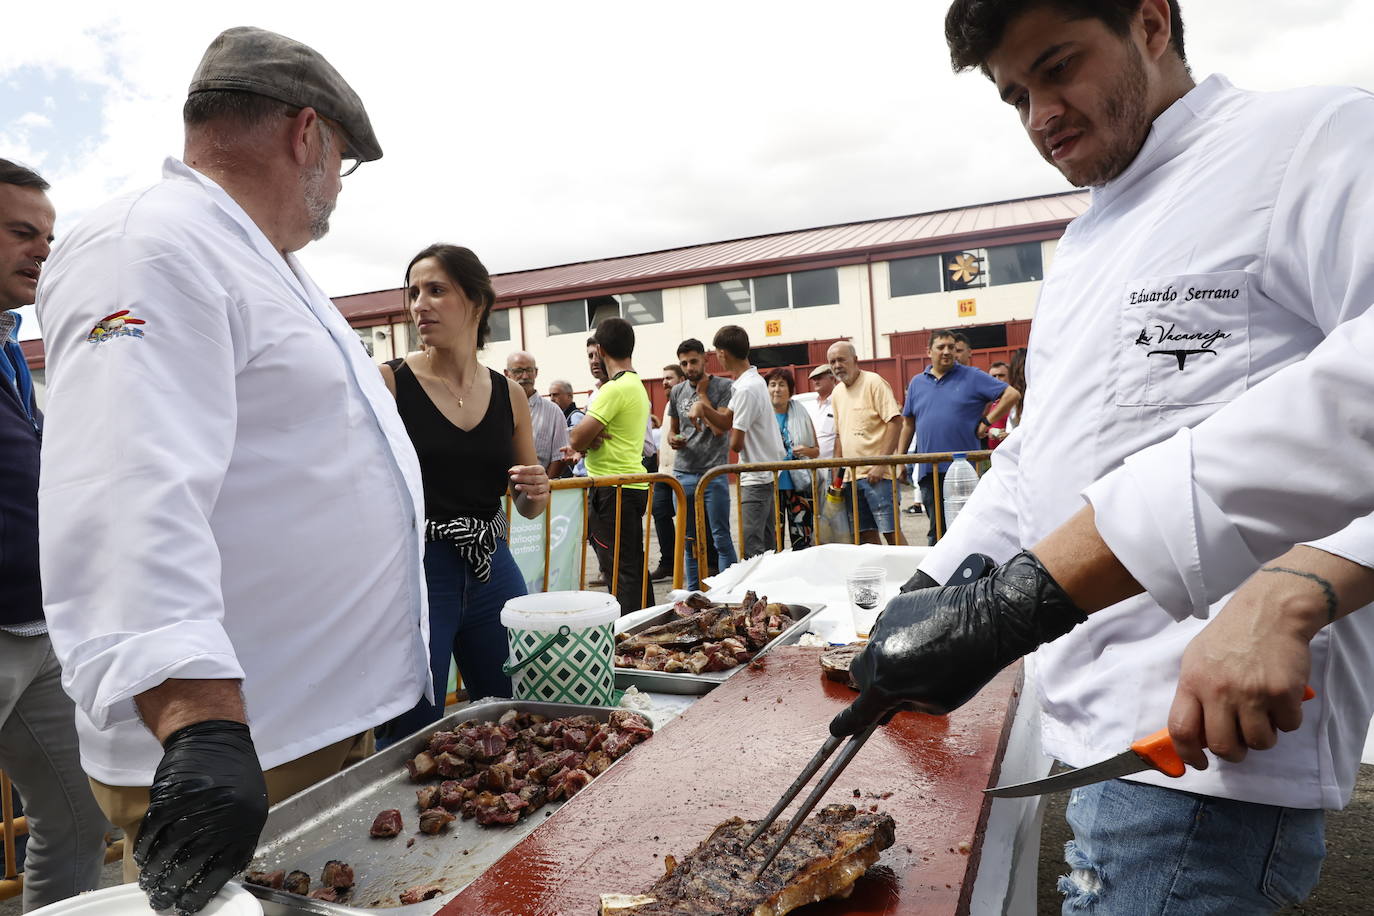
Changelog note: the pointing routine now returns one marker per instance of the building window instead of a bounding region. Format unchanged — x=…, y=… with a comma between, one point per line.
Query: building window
x=643, y=307
x=567, y=317
x=498, y=322
x=577, y=316
x=969, y=269
x=803, y=289
x=811, y=288
x=728, y=298
x=1015, y=264
x=914, y=276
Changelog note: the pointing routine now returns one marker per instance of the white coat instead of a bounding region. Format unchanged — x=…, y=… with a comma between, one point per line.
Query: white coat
x=227, y=490
x=1287, y=461
x=1232, y=245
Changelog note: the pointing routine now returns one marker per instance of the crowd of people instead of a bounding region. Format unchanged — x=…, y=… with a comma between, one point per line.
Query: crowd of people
x=217, y=609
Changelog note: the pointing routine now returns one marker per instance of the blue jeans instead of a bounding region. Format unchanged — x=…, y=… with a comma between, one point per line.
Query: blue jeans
x=876, y=509
x=464, y=624
x=1141, y=849
x=717, y=522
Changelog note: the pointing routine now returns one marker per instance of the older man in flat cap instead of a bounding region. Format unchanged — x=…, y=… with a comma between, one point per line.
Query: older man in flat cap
x=229, y=501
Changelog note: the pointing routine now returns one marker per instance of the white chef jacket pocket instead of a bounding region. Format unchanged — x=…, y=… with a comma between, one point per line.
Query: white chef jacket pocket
x=1184, y=339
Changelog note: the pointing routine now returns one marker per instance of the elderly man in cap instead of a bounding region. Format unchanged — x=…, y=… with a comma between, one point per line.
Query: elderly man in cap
x=228, y=501
x=823, y=411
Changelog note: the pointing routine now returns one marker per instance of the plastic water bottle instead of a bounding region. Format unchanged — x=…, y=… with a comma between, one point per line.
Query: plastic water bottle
x=958, y=482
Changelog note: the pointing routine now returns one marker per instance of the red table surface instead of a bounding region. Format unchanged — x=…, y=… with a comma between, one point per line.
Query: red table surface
x=733, y=753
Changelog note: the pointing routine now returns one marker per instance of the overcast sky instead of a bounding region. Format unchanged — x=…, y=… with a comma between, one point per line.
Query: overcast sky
x=539, y=133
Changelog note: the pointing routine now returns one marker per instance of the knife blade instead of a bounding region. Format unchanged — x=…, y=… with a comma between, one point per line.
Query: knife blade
x=1153, y=752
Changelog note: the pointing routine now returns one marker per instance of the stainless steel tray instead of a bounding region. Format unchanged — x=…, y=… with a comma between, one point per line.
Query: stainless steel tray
x=331, y=820
x=697, y=684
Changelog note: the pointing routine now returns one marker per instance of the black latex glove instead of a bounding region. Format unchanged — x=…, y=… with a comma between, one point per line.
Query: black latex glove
x=206, y=808
x=918, y=581
x=933, y=649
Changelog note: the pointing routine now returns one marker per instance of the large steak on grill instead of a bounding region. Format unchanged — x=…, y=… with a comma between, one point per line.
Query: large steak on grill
x=823, y=859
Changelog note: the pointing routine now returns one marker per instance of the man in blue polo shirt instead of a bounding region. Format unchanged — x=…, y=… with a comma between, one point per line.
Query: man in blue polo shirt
x=944, y=409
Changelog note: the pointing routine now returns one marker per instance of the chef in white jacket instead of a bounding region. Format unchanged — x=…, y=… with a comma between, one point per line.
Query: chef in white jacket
x=229, y=502
x=1228, y=235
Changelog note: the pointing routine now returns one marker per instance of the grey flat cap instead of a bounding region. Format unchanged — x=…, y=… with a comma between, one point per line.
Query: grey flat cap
x=822, y=369
x=249, y=59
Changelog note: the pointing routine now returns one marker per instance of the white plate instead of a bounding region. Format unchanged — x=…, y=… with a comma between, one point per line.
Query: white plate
x=128, y=900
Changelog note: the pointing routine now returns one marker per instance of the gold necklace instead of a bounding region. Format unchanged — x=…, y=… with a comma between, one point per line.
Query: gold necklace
x=429, y=358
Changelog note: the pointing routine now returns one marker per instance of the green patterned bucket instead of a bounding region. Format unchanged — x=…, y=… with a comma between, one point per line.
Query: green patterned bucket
x=562, y=647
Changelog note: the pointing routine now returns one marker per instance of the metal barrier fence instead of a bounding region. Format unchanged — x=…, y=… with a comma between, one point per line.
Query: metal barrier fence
x=618, y=482
x=817, y=464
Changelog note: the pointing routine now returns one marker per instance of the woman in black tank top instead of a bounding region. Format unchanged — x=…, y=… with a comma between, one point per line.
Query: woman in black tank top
x=473, y=436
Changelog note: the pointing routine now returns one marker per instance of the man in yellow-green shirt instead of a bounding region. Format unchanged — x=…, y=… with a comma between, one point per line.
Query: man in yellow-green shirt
x=612, y=436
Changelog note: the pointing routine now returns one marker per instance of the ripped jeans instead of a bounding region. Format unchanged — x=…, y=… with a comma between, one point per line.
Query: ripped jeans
x=1141, y=850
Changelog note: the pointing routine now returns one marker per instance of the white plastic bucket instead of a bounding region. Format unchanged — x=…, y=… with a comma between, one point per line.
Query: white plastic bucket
x=562, y=647
x=128, y=900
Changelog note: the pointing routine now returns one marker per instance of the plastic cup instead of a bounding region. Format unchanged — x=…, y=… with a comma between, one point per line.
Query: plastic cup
x=867, y=588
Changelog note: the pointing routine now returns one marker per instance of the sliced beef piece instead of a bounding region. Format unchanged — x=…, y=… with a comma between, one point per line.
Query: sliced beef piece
x=434, y=820
x=272, y=879
x=439, y=742
x=297, y=882
x=835, y=662
x=327, y=894
x=823, y=859
x=428, y=797
x=534, y=796
x=388, y=823
x=423, y=892
x=422, y=767
x=597, y=762
x=450, y=795
x=452, y=765
x=338, y=875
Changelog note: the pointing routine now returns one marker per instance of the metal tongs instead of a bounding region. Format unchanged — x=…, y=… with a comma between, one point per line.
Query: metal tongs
x=974, y=567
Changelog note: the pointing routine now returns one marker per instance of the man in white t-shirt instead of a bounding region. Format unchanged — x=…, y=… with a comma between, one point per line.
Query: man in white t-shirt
x=753, y=433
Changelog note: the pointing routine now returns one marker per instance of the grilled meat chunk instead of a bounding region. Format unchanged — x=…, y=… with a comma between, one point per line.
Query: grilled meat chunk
x=272, y=879
x=716, y=638
x=387, y=823
x=423, y=892
x=427, y=797
x=823, y=859
x=434, y=819
x=298, y=882
x=338, y=875
x=422, y=767
x=327, y=894
x=512, y=767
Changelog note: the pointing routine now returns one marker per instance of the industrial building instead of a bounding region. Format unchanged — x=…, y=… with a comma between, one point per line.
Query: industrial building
x=884, y=284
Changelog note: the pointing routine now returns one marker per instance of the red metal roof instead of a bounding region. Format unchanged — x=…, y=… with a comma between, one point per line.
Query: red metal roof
x=847, y=242
x=33, y=351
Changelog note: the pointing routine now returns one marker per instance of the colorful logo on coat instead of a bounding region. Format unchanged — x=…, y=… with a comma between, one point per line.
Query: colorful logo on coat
x=120, y=324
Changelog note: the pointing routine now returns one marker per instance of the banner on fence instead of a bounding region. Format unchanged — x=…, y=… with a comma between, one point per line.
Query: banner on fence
x=566, y=536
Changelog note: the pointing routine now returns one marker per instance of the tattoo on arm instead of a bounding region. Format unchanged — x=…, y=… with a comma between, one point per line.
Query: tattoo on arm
x=1331, y=602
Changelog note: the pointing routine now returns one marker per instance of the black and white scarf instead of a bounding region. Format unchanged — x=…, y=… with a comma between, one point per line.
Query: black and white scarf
x=474, y=539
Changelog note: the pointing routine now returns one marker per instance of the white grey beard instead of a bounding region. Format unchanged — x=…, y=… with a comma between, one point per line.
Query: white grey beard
x=316, y=204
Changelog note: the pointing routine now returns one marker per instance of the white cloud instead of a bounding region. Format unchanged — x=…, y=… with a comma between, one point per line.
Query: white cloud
x=543, y=132
x=30, y=119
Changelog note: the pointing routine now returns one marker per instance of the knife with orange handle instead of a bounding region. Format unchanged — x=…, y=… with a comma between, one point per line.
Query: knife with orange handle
x=1153, y=752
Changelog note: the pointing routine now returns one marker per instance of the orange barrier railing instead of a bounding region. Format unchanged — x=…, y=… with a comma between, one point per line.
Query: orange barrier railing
x=821, y=464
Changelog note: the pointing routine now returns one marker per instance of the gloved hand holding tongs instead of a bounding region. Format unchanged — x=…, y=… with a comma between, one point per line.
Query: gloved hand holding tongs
x=933, y=648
